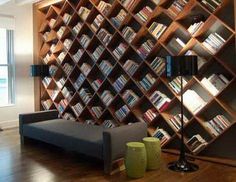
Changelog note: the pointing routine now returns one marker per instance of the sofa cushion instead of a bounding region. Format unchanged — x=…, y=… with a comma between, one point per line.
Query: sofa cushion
x=71, y=135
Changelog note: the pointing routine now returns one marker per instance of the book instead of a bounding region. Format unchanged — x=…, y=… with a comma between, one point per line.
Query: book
x=120, y=83
x=145, y=48
x=196, y=143
x=162, y=135
x=150, y=115
x=83, y=12
x=128, y=4
x=130, y=97
x=157, y=29
x=128, y=33
x=144, y=14
x=104, y=7
x=147, y=81
x=107, y=97
x=158, y=65
x=119, y=50
x=130, y=66
x=176, y=7
x=119, y=18
x=122, y=112
x=159, y=100
x=97, y=22
x=106, y=67
x=104, y=36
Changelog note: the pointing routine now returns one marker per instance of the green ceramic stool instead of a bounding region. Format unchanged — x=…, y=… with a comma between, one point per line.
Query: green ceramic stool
x=153, y=149
x=135, y=159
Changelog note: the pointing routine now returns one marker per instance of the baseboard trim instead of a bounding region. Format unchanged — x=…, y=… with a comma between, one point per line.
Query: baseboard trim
x=9, y=124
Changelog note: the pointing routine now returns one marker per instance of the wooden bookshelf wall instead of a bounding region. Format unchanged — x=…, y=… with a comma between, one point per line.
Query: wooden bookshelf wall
x=223, y=61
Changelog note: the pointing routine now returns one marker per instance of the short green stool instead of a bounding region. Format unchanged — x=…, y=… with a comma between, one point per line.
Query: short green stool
x=135, y=159
x=153, y=149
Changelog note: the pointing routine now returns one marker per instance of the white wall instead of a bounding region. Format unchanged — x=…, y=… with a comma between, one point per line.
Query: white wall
x=23, y=59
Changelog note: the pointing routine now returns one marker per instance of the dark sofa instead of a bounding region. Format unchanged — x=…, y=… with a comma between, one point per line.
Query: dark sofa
x=92, y=140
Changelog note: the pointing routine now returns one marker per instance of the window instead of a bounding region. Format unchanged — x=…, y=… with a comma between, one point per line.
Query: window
x=7, y=96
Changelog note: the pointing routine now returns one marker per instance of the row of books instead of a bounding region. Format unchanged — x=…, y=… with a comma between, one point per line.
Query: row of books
x=106, y=67
x=119, y=83
x=147, y=81
x=48, y=58
x=175, y=84
x=52, y=22
x=218, y=124
x=128, y=33
x=97, y=22
x=122, y=112
x=47, y=104
x=212, y=5
x=176, y=45
x=109, y=124
x=158, y=65
x=66, y=18
x=62, y=105
x=215, y=83
x=85, y=68
x=96, y=84
x=67, y=43
x=162, y=135
x=67, y=68
x=85, y=95
x=150, y=115
x=196, y=143
x=175, y=121
x=104, y=36
x=192, y=29
x=157, y=29
x=61, y=57
x=160, y=100
x=53, y=94
x=53, y=69
x=79, y=81
x=77, y=28
x=177, y=6
x=144, y=14
x=130, y=97
x=46, y=81
x=69, y=116
x=77, y=109
x=46, y=35
x=67, y=93
x=119, y=18
x=61, y=82
x=107, y=97
x=97, y=52
x=130, y=66
x=84, y=40
x=83, y=12
x=97, y=111
x=214, y=42
x=53, y=47
x=145, y=48
x=104, y=7
x=78, y=55
x=120, y=50
x=61, y=31
x=128, y=4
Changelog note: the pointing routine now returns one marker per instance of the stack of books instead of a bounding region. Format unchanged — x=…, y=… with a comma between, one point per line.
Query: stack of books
x=215, y=83
x=196, y=143
x=52, y=22
x=46, y=81
x=47, y=104
x=62, y=105
x=61, y=31
x=61, y=57
x=175, y=121
x=83, y=12
x=144, y=14
x=53, y=94
x=97, y=53
x=66, y=18
x=107, y=97
x=214, y=42
x=147, y=81
x=53, y=69
x=68, y=94
x=157, y=29
x=120, y=50
x=96, y=84
x=145, y=48
x=195, y=27
x=160, y=100
x=85, y=68
x=193, y=101
x=162, y=135
x=47, y=58
x=176, y=45
x=53, y=47
x=104, y=7
x=130, y=66
x=175, y=84
x=150, y=115
x=117, y=21
x=201, y=61
x=77, y=28
x=78, y=55
x=97, y=111
x=158, y=65
x=90, y=122
x=128, y=4
x=106, y=67
x=46, y=35
x=130, y=97
x=177, y=6
x=85, y=95
x=79, y=81
x=128, y=33
x=212, y=5
x=84, y=40
x=67, y=68
x=69, y=116
x=119, y=83
x=97, y=22
x=122, y=112
x=77, y=108
x=104, y=36
x=109, y=124
x=61, y=82
x=218, y=124
x=67, y=43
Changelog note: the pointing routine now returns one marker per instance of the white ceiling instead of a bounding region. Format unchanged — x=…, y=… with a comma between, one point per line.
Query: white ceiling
x=20, y=2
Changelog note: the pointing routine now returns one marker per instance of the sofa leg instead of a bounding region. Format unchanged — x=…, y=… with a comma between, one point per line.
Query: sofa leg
x=23, y=140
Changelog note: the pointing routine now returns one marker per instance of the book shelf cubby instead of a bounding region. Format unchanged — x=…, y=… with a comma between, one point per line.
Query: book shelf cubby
x=107, y=60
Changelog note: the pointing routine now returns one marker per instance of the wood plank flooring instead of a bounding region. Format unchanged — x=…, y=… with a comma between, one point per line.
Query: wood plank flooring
x=37, y=162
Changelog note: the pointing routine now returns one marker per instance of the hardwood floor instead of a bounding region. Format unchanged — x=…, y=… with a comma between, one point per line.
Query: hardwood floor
x=37, y=162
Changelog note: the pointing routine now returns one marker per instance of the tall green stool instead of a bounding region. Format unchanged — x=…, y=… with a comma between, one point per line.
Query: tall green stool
x=135, y=159
x=153, y=149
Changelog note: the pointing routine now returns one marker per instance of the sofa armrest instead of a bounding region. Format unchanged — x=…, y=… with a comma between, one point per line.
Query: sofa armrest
x=36, y=117
x=115, y=139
